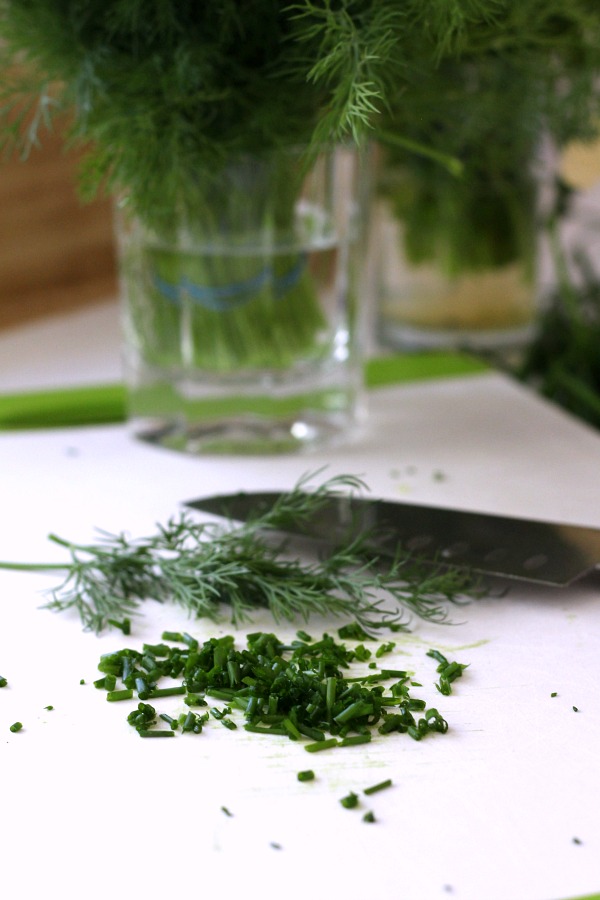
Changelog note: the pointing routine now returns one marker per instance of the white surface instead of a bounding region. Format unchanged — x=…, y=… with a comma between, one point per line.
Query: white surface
x=487, y=812
x=80, y=347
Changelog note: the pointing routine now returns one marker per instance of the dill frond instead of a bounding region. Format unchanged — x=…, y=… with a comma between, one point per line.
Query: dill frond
x=206, y=567
x=160, y=92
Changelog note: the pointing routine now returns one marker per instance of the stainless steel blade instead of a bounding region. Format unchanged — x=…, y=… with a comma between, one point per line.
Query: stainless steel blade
x=545, y=552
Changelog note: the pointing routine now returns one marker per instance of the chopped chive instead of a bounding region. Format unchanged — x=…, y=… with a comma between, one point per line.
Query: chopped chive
x=3, y=681
x=378, y=787
x=353, y=711
x=353, y=632
x=221, y=694
x=306, y=775
x=444, y=686
x=264, y=729
x=293, y=690
x=168, y=691
x=49, y=707
x=575, y=709
x=82, y=681
x=554, y=694
x=169, y=720
x=355, y=739
x=303, y=636
x=189, y=722
x=155, y=733
x=194, y=700
x=368, y=817
x=229, y=723
x=124, y=625
x=321, y=745
x=16, y=726
x=439, y=657
x=350, y=801
x=314, y=734
x=157, y=649
x=125, y=694
x=291, y=729
x=174, y=636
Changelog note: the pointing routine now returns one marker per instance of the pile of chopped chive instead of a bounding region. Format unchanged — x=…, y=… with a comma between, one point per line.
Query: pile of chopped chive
x=301, y=690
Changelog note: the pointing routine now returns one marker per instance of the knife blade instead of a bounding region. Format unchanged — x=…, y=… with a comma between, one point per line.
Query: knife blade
x=550, y=553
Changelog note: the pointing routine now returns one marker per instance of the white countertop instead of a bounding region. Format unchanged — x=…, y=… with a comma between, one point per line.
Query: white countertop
x=503, y=807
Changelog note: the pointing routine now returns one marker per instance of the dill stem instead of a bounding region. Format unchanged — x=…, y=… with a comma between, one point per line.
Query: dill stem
x=34, y=567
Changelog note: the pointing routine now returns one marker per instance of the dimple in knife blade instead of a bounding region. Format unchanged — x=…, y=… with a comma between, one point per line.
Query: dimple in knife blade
x=549, y=553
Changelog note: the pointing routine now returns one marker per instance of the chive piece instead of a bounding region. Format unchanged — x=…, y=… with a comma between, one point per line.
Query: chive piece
x=49, y=707
x=82, y=681
x=189, y=722
x=167, y=692
x=306, y=775
x=263, y=729
x=169, y=720
x=175, y=636
x=155, y=733
x=226, y=811
x=384, y=648
x=16, y=726
x=439, y=657
x=355, y=739
x=444, y=686
x=353, y=632
x=124, y=625
x=350, y=801
x=369, y=817
x=291, y=729
x=554, y=694
x=3, y=681
x=125, y=694
x=378, y=787
x=229, y=723
x=575, y=709
x=354, y=711
x=221, y=694
x=303, y=636
x=194, y=700
x=321, y=745
x=314, y=733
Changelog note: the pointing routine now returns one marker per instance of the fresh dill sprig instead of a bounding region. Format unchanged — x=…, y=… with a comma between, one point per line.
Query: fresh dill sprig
x=203, y=566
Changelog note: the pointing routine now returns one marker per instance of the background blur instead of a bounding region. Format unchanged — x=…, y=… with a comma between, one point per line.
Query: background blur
x=55, y=252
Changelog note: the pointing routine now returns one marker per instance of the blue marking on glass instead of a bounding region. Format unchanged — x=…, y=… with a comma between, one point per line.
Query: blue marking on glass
x=291, y=277
x=220, y=298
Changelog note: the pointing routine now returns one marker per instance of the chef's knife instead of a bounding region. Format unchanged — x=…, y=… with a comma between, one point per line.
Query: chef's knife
x=545, y=552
